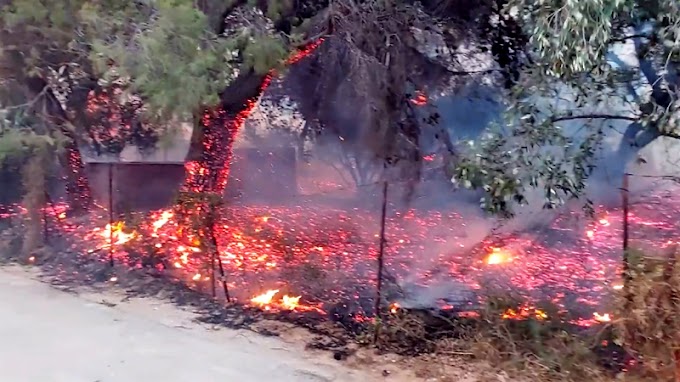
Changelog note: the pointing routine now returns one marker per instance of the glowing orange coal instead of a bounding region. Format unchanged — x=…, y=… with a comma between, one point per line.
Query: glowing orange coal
x=524, y=312
x=606, y=317
x=419, y=99
x=394, y=308
x=117, y=233
x=498, y=256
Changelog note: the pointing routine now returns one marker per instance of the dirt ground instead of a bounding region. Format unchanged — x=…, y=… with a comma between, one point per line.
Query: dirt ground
x=51, y=335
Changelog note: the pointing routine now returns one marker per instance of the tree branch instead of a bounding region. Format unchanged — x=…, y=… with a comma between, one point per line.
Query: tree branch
x=660, y=96
x=629, y=37
x=631, y=89
x=595, y=116
x=30, y=103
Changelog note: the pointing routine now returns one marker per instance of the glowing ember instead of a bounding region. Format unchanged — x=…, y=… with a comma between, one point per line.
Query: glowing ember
x=394, y=308
x=420, y=99
x=498, y=256
x=162, y=220
x=602, y=317
x=118, y=235
x=523, y=313
x=324, y=254
x=219, y=129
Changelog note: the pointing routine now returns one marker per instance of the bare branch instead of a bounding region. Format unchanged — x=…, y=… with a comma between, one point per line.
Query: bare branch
x=596, y=116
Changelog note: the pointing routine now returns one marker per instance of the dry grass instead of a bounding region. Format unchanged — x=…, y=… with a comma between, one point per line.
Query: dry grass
x=649, y=323
x=534, y=348
x=542, y=348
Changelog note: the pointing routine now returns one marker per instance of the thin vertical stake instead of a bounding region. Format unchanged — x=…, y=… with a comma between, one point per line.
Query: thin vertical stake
x=213, y=240
x=111, y=213
x=46, y=236
x=381, y=257
x=626, y=254
x=212, y=277
x=624, y=200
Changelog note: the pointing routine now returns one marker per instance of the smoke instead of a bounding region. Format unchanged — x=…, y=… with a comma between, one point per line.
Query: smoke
x=325, y=195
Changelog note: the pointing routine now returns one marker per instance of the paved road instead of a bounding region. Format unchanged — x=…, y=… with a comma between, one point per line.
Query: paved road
x=51, y=336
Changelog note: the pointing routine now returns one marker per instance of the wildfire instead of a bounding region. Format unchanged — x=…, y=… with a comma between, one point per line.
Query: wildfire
x=293, y=246
x=266, y=301
x=394, y=308
x=523, y=313
x=419, y=99
x=116, y=233
x=606, y=317
x=251, y=244
x=498, y=256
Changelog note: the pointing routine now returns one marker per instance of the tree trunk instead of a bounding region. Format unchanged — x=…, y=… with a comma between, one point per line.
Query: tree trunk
x=212, y=139
x=613, y=168
x=77, y=186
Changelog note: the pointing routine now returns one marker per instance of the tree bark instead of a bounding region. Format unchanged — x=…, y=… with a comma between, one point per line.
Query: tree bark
x=77, y=186
x=215, y=132
x=612, y=171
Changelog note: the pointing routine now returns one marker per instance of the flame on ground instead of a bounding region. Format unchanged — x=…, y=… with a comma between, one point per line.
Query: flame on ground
x=498, y=256
x=267, y=302
x=116, y=235
x=274, y=245
x=523, y=313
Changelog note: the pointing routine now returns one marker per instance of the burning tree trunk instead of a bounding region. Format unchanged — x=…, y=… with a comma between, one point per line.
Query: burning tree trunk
x=211, y=143
x=212, y=140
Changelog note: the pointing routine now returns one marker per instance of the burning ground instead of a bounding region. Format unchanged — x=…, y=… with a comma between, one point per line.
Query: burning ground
x=321, y=260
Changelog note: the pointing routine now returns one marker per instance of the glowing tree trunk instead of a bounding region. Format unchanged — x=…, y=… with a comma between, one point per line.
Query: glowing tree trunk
x=211, y=150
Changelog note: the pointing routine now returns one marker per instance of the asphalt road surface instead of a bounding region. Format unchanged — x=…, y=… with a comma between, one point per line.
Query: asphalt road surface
x=47, y=335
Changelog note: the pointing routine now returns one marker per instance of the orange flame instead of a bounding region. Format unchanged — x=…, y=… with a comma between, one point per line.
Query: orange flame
x=523, y=313
x=290, y=302
x=420, y=99
x=498, y=256
x=116, y=232
x=394, y=308
x=266, y=301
